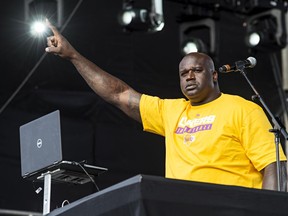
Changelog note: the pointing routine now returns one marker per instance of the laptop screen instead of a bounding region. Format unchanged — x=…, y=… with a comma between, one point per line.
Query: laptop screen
x=40, y=143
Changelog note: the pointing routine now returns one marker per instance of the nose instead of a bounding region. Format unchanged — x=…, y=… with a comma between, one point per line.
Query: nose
x=191, y=75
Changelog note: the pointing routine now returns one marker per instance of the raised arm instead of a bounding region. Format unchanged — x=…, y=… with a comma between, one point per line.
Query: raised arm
x=110, y=88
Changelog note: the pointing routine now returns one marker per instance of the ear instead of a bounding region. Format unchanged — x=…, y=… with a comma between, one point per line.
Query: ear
x=215, y=76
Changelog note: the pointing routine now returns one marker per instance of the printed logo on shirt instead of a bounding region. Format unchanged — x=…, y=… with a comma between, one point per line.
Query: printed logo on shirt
x=188, y=139
x=188, y=127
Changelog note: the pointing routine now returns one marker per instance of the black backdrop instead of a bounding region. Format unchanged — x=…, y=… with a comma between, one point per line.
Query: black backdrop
x=92, y=129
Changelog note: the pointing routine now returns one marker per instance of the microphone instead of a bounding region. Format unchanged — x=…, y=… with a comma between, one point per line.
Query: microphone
x=250, y=62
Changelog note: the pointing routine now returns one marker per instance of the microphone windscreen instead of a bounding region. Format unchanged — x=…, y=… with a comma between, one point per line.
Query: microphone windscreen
x=253, y=61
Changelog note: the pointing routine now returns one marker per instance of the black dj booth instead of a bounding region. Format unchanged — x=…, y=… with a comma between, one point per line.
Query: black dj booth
x=144, y=195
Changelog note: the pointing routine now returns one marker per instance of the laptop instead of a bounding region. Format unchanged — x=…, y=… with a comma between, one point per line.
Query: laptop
x=41, y=153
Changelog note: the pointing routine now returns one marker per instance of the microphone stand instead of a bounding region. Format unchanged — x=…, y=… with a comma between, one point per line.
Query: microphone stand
x=278, y=126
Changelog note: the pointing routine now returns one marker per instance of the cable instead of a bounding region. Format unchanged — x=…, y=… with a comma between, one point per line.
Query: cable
x=65, y=202
x=92, y=180
x=39, y=61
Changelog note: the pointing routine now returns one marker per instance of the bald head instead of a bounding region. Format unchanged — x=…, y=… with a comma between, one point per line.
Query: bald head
x=204, y=58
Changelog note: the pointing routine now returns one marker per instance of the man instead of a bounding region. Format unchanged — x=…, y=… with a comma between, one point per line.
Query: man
x=211, y=137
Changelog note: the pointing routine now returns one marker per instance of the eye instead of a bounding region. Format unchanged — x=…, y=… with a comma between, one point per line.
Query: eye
x=183, y=74
x=197, y=70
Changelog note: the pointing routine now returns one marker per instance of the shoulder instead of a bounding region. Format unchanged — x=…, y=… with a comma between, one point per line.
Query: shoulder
x=156, y=103
x=148, y=98
x=238, y=101
x=241, y=108
x=237, y=104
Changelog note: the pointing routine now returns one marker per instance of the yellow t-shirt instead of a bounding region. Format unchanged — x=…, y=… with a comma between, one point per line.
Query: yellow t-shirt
x=226, y=141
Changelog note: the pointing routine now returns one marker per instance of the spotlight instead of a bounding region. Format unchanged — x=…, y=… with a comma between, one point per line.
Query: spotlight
x=36, y=11
x=38, y=28
x=266, y=31
x=193, y=45
x=198, y=36
x=253, y=39
x=141, y=19
x=129, y=16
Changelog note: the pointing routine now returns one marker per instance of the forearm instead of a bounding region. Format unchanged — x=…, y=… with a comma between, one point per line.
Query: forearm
x=108, y=87
x=104, y=84
x=270, y=177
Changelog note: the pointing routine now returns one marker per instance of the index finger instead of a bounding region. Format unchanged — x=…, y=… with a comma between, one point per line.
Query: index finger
x=52, y=27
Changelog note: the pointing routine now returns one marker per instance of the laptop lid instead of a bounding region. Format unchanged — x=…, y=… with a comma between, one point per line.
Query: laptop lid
x=40, y=144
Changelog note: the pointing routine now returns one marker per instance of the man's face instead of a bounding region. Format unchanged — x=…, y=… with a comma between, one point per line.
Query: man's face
x=197, y=78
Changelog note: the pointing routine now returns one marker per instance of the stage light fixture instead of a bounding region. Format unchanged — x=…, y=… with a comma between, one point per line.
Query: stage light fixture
x=36, y=11
x=193, y=45
x=198, y=36
x=266, y=31
x=253, y=39
x=142, y=19
x=135, y=19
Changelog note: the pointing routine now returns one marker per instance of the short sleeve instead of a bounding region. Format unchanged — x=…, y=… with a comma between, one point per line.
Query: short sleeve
x=258, y=141
x=151, y=111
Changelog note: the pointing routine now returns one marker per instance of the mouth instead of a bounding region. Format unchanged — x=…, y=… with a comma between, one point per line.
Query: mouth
x=191, y=87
